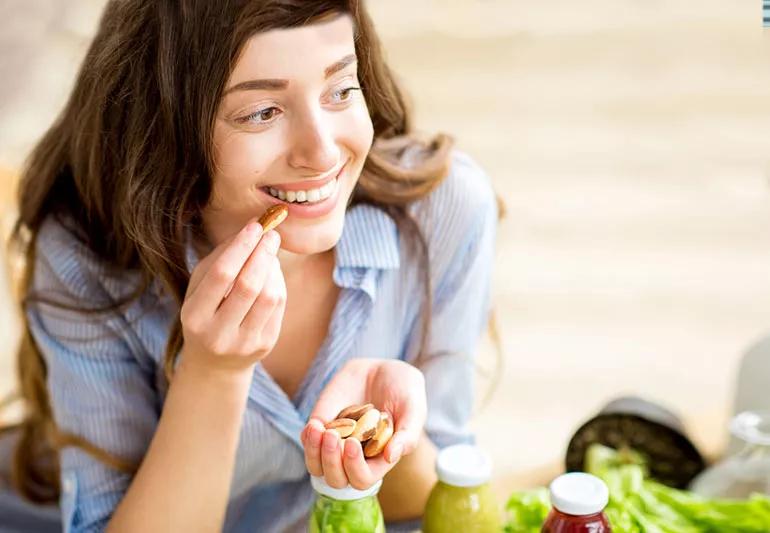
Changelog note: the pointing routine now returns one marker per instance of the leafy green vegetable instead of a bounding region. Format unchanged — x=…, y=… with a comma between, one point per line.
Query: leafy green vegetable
x=641, y=505
x=527, y=511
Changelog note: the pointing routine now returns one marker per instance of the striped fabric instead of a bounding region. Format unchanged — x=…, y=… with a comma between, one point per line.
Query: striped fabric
x=766, y=13
x=105, y=374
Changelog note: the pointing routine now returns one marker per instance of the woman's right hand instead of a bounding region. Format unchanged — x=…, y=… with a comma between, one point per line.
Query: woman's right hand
x=233, y=309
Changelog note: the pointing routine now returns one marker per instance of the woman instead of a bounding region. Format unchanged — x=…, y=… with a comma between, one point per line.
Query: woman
x=178, y=364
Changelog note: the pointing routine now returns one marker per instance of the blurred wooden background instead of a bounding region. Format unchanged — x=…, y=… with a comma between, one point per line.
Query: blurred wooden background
x=631, y=142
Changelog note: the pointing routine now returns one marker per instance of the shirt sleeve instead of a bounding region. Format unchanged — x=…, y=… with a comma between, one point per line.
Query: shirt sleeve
x=98, y=389
x=462, y=253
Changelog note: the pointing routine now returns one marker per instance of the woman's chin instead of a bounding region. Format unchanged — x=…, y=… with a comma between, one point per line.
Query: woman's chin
x=309, y=242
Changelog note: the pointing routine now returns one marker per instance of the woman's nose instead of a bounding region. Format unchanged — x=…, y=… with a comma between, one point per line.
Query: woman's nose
x=314, y=148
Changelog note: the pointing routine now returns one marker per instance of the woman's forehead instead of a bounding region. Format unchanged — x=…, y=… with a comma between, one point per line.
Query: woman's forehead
x=301, y=53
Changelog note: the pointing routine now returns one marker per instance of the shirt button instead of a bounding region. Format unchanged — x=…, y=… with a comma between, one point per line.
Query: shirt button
x=68, y=485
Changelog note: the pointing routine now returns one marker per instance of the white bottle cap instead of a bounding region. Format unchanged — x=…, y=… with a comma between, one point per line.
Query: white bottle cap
x=346, y=494
x=579, y=494
x=463, y=465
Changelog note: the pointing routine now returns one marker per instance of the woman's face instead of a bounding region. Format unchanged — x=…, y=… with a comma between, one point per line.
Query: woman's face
x=292, y=122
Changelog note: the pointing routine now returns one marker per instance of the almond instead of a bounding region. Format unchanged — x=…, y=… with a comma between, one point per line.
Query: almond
x=343, y=426
x=273, y=216
x=382, y=436
x=355, y=411
x=366, y=426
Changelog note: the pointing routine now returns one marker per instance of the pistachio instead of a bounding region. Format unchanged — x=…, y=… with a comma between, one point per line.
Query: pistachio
x=343, y=426
x=366, y=426
x=381, y=437
x=355, y=412
x=273, y=216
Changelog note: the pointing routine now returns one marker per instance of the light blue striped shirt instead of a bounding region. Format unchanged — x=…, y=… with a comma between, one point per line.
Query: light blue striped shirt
x=105, y=375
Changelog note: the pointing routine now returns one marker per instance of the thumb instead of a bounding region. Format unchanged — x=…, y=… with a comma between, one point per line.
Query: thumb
x=406, y=435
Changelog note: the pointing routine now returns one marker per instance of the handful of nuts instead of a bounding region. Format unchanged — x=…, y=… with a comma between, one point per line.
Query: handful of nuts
x=371, y=427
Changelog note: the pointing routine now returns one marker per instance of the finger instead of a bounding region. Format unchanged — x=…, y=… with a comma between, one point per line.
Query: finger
x=262, y=342
x=400, y=444
x=313, y=437
x=272, y=298
x=204, y=265
x=379, y=466
x=272, y=329
x=331, y=460
x=408, y=426
x=406, y=433
x=249, y=283
x=357, y=468
x=223, y=271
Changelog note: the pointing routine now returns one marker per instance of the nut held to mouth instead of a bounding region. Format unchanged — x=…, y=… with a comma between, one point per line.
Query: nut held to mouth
x=273, y=216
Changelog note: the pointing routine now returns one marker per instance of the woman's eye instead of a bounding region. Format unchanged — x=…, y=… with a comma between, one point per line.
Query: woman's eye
x=343, y=95
x=262, y=116
x=265, y=116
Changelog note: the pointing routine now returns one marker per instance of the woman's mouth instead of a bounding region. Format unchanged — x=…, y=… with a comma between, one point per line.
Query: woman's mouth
x=306, y=201
x=309, y=196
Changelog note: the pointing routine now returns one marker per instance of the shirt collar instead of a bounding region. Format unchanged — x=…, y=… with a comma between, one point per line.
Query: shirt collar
x=369, y=240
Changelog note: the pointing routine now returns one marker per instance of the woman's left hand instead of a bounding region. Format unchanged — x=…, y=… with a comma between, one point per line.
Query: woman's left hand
x=391, y=385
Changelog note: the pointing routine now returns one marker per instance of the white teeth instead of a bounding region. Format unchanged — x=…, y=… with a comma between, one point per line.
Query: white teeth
x=314, y=195
x=311, y=196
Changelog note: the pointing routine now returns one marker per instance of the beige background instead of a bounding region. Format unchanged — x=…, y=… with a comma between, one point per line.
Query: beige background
x=631, y=143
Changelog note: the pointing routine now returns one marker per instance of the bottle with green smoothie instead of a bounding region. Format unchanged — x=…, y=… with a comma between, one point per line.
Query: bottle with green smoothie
x=462, y=499
x=345, y=510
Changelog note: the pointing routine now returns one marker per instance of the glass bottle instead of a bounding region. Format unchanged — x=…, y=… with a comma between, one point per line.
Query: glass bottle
x=745, y=471
x=462, y=499
x=578, y=501
x=345, y=510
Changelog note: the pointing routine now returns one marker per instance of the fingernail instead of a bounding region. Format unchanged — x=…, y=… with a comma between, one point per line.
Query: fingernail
x=395, y=453
x=330, y=441
x=351, y=450
x=315, y=437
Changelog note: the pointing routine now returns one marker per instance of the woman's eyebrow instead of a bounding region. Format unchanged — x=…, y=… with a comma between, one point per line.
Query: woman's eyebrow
x=279, y=85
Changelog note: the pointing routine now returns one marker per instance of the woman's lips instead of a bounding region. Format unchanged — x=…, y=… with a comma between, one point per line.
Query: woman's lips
x=304, y=185
x=308, y=184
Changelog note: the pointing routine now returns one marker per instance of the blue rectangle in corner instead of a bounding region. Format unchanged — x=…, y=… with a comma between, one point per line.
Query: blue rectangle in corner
x=766, y=13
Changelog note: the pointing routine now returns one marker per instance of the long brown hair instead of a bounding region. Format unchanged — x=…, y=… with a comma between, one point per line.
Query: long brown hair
x=130, y=157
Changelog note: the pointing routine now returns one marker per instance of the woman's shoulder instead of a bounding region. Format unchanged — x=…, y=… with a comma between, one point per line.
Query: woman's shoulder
x=66, y=264
x=463, y=206
x=467, y=187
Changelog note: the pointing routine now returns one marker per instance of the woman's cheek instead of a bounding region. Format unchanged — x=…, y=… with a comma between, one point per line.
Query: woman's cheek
x=238, y=164
x=361, y=124
x=238, y=150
